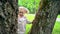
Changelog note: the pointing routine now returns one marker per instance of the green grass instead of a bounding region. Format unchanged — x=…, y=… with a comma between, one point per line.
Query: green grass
x=58, y=16
x=30, y=17
x=56, y=29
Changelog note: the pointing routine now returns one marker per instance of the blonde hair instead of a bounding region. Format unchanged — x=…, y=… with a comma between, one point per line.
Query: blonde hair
x=23, y=8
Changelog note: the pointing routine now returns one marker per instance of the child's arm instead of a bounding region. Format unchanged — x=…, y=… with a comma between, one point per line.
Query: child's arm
x=28, y=22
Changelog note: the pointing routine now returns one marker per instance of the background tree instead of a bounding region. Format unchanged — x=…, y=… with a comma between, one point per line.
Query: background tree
x=45, y=17
x=8, y=16
x=32, y=5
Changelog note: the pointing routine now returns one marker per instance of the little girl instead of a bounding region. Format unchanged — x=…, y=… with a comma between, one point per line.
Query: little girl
x=22, y=21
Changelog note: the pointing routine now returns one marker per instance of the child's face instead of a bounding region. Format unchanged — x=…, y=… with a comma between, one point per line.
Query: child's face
x=21, y=13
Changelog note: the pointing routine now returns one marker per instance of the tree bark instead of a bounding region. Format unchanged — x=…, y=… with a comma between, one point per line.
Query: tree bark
x=45, y=17
x=8, y=16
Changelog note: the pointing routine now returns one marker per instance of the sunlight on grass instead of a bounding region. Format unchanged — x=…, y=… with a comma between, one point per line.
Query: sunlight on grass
x=28, y=27
x=58, y=16
x=30, y=17
x=56, y=29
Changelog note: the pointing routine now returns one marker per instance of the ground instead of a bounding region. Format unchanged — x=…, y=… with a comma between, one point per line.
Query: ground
x=56, y=29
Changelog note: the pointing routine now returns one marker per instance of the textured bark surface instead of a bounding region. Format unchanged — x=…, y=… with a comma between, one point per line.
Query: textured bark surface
x=8, y=16
x=45, y=17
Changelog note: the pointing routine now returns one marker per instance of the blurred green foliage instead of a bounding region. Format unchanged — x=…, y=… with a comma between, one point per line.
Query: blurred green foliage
x=32, y=5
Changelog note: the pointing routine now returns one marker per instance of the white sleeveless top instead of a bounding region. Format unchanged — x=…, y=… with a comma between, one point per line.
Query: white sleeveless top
x=22, y=24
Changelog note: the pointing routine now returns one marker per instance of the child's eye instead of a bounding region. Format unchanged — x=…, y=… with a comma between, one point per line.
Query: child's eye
x=20, y=12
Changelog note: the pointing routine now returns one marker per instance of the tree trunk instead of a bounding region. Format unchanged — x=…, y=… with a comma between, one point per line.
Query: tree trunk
x=8, y=16
x=45, y=17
